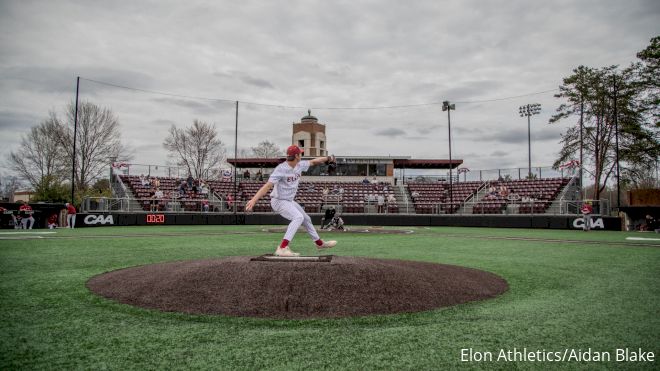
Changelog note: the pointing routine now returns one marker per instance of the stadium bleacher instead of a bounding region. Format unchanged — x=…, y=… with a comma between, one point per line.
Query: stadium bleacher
x=522, y=196
x=353, y=197
x=433, y=197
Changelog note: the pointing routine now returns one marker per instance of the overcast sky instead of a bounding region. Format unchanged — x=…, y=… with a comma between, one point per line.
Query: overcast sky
x=294, y=55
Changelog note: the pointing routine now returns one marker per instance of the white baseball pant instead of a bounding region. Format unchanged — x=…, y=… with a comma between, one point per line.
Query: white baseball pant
x=290, y=210
x=71, y=220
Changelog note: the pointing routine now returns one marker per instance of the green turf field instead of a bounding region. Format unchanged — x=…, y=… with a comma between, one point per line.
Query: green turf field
x=591, y=290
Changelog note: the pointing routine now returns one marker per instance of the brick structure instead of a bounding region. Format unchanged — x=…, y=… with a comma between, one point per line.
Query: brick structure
x=309, y=135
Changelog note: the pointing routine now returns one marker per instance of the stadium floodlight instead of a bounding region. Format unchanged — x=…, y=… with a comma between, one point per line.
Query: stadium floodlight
x=446, y=106
x=529, y=110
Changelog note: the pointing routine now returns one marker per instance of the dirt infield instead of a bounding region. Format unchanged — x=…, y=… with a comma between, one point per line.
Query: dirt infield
x=344, y=287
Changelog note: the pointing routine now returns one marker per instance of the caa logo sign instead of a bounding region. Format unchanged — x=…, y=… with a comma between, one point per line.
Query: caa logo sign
x=595, y=223
x=99, y=219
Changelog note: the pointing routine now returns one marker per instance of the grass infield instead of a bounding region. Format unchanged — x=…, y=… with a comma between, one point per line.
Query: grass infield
x=579, y=291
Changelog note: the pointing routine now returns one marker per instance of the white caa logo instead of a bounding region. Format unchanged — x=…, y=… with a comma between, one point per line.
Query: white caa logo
x=595, y=223
x=99, y=219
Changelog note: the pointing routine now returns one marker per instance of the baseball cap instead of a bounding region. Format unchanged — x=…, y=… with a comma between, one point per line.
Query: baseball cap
x=293, y=150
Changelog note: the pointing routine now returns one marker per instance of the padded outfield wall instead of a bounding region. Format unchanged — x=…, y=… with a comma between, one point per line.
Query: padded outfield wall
x=495, y=221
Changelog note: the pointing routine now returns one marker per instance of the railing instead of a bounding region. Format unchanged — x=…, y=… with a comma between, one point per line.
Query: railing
x=460, y=175
x=470, y=207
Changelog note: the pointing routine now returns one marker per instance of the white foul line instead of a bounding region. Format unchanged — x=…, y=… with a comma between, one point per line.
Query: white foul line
x=642, y=239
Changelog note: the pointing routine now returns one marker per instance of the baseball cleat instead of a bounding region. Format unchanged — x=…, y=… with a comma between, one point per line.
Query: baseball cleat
x=285, y=252
x=327, y=245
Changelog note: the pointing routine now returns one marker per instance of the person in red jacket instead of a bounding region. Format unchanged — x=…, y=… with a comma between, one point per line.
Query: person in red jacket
x=70, y=215
x=26, y=213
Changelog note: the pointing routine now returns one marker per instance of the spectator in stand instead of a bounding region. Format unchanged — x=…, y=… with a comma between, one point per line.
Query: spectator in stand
x=230, y=201
x=381, y=203
x=391, y=200
x=183, y=188
x=221, y=203
x=52, y=221
x=260, y=176
x=504, y=192
x=143, y=180
x=246, y=174
x=155, y=183
x=70, y=215
x=204, y=188
x=190, y=181
x=492, y=190
x=325, y=191
x=26, y=212
x=414, y=194
x=157, y=197
x=341, y=190
x=365, y=180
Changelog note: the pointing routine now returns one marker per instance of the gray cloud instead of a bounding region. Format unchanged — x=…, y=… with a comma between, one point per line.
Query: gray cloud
x=63, y=79
x=245, y=78
x=391, y=132
x=298, y=54
x=12, y=121
x=499, y=154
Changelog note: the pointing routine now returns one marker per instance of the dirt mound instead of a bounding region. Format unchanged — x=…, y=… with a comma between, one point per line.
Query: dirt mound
x=344, y=287
x=377, y=230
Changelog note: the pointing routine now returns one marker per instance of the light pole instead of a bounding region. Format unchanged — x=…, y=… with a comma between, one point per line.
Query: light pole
x=529, y=110
x=448, y=107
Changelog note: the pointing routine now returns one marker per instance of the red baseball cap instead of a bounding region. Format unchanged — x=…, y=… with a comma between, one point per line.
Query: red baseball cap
x=293, y=150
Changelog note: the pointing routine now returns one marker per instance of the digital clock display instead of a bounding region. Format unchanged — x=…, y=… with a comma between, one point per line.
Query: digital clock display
x=155, y=218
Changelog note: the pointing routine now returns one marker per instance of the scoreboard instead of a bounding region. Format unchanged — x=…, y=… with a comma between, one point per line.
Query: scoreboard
x=155, y=218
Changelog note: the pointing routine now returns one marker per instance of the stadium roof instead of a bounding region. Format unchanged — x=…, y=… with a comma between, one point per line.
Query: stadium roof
x=426, y=164
x=399, y=162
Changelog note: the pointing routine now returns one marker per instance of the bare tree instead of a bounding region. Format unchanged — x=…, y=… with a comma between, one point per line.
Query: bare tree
x=99, y=139
x=266, y=149
x=40, y=159
x=10, y=184
x=197, y=148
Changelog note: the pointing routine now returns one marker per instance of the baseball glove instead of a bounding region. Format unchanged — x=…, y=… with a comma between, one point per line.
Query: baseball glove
x=331, y=162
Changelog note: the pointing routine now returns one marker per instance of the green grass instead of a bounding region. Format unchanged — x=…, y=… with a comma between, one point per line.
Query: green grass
x=562, y=295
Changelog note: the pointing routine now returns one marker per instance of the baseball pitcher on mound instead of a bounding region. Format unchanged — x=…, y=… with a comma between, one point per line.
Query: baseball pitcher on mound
x=284, y=184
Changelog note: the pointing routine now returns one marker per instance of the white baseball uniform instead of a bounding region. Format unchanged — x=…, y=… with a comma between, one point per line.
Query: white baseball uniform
x=285, y=181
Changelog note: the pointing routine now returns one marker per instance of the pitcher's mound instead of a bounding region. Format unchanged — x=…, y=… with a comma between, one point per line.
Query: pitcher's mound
x=343, y=287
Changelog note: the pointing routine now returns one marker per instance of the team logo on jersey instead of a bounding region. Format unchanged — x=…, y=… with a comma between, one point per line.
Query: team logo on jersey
x=291, y=179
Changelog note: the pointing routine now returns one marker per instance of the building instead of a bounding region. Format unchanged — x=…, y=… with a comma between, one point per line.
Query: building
x=309, y=135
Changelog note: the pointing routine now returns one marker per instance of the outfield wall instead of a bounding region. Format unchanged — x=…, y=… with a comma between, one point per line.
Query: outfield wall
x=495, y=221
